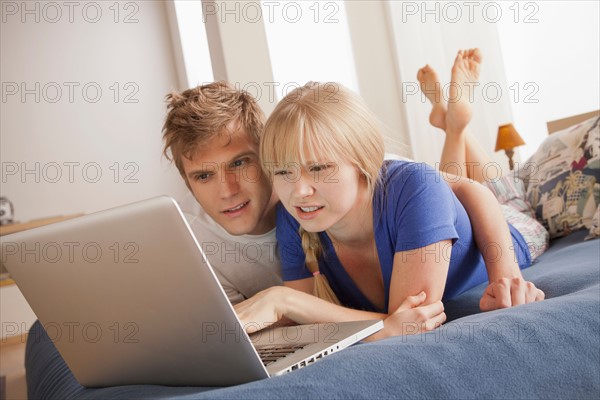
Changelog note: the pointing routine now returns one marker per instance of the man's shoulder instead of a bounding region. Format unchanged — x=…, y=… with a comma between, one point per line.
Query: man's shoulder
x=196, y=217
x=189, y=205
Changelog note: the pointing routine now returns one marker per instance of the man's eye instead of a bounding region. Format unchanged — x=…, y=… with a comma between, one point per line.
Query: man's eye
x=238, y=163
x=201, y=177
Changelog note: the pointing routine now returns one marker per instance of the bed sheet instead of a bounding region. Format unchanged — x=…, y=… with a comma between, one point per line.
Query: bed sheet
x=549, y=349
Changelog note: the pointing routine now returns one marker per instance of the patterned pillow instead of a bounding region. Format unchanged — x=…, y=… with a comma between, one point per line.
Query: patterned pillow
x=510, y=192
x=595, y=228
x=563, y=178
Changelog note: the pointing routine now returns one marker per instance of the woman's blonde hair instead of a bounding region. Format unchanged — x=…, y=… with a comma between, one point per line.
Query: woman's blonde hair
x=322, y=120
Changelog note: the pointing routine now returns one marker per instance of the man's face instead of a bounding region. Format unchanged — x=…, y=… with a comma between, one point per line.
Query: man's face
x=227, y=180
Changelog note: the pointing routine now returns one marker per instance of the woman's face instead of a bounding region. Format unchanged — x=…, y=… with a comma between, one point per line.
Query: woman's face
x=320, y=195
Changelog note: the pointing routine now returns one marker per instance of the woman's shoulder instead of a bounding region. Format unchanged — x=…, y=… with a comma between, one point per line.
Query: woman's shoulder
x=408, y=181
x=282, y=213
x=285, y=223
x=413, y=191
x=402, y=171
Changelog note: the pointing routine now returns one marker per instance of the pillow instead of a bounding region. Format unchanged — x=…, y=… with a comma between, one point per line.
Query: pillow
x=510, y=192
x=563, y=178
x=595, y=228
x=394, y=156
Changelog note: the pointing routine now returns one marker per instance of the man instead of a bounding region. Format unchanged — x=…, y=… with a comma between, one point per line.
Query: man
x=212, y=135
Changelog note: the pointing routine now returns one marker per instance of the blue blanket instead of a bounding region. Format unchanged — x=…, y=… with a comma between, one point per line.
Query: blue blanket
x=549, y=349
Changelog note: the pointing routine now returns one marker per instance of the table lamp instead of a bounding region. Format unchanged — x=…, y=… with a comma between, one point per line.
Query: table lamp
x=508, y=139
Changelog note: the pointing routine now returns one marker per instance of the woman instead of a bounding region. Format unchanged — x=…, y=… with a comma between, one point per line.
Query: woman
x=390, y=238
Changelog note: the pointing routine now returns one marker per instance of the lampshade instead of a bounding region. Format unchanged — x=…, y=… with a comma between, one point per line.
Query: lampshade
x=508, y=138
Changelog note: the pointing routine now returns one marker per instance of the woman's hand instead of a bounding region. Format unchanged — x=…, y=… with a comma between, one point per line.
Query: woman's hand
x=507, y=292
x=411, y=317
x=262, y=310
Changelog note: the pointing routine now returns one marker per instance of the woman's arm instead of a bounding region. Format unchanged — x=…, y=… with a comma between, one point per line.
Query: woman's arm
x=489, y=227
x=507, y=287
x=270, y=305
x=420, y=270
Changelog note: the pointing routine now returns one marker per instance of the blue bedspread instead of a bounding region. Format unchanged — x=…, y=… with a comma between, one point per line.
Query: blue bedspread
x=549, y=349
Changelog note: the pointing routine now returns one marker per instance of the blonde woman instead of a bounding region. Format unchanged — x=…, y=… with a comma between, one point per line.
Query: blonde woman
x=389, y=238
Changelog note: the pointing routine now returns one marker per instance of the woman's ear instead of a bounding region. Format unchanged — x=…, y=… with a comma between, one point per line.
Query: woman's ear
x=362, y=174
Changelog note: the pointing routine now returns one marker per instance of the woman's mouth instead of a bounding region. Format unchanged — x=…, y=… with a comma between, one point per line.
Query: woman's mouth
x=308, y=212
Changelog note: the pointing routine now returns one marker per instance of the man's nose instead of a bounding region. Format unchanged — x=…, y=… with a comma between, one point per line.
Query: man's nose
x=230, y=184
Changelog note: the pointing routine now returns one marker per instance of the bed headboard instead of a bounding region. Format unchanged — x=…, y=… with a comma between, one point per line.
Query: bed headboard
x=560, y=124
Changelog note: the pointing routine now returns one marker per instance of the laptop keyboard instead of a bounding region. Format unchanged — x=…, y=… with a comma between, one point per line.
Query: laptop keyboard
x=271, y=353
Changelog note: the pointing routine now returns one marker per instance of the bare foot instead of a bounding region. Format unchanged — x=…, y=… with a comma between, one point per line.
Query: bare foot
x=431, y=88
x=464, y=71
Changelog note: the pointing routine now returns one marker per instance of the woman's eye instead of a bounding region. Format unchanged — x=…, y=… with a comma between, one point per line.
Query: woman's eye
x=282, y=172
x=318, y=167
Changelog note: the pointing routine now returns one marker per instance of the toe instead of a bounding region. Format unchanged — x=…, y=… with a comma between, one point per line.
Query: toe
x=477, y=55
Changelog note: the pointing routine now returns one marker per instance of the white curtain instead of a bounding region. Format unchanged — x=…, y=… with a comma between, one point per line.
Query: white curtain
x=422, y=37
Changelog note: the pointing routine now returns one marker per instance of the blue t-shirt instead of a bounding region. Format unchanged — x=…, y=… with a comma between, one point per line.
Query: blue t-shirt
x=413, y=207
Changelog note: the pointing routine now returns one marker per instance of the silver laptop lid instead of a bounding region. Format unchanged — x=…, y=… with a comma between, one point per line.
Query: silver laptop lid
x=121, y=295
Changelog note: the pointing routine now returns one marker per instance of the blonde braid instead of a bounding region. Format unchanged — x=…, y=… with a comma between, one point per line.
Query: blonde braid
x=311, y=244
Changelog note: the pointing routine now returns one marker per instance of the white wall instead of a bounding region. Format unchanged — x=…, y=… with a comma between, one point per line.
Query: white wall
x=553, y=47
x=16, y=317
x=238, y=48
x=559, y=53
x=66, y=139
x=314, y=45
x=190, y=40
x=432, y=33
x=543, y=55
x=377, y=71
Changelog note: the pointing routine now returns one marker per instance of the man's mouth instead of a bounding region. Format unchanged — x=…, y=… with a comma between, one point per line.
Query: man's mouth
x=236, y=208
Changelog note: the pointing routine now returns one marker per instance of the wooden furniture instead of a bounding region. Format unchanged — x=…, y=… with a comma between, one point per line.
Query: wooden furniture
x=559, y=124
x=18, y=227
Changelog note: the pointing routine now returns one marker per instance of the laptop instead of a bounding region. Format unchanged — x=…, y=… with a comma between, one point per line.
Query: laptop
x=128, y=297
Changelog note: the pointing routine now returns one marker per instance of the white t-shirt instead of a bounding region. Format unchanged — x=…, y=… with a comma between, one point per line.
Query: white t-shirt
x=244, y=264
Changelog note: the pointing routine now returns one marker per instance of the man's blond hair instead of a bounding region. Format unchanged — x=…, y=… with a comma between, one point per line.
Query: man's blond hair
x=196, y=115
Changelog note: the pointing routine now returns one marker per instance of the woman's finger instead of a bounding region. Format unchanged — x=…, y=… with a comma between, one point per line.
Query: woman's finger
x=412, y=301
x=502, y=294
x=434, y=322
x=531, y=292
x=518, y=288
x=540, y=295
x=433, y=309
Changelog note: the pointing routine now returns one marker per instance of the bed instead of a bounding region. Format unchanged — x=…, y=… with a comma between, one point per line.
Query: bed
x=549, y=349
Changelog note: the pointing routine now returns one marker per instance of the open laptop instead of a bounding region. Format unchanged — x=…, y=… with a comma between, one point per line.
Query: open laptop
x=128, y=297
